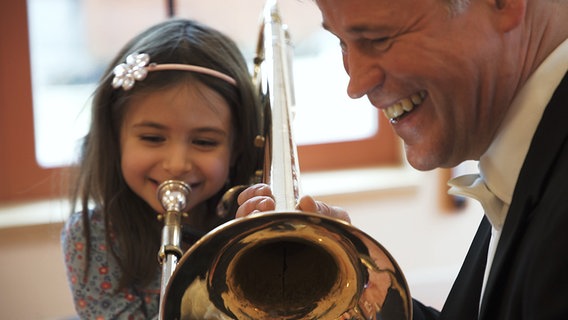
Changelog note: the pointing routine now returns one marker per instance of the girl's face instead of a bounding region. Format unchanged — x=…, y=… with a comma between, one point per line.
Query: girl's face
x=180, y=133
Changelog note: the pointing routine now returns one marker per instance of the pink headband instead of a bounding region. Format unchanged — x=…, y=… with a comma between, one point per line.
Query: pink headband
x=136, y=68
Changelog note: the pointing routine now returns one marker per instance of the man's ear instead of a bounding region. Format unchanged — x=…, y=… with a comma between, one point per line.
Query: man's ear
x=509, y=13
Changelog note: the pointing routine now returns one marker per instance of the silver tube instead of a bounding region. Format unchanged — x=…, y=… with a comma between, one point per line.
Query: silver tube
x=173, y=196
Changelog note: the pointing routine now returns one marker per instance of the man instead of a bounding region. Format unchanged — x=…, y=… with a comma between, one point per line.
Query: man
x=473, y=80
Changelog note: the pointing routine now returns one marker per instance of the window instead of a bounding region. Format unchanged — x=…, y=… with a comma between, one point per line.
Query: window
x=71, y=41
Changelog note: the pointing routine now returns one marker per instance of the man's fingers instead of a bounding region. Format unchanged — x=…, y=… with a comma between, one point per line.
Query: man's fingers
x=254, y=205
x=259, y=189
x=332, y=211
x=308, y=204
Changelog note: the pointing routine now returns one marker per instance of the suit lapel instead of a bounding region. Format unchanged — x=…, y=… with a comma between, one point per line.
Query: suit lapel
x=463, y=299
x=548, y=139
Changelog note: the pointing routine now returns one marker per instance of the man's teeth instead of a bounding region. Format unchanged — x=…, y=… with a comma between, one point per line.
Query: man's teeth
x=403, y=105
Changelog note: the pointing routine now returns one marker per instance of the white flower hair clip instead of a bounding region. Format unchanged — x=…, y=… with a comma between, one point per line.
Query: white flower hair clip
x=137, y=67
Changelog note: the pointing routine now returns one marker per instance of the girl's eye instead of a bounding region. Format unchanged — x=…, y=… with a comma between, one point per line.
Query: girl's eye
x=206, y=142
x=152, y=138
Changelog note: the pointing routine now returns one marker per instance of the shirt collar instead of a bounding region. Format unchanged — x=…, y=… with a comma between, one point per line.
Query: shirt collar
x=501, y=163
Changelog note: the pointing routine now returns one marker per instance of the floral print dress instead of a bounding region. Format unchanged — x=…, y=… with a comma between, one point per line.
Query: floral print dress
x=96, y=297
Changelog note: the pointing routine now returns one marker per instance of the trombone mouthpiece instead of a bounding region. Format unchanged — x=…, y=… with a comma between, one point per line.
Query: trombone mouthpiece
x=173, y=195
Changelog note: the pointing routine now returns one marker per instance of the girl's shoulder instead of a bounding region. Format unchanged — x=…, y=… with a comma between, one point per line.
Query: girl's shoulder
x=76, y=222
x=74, y=228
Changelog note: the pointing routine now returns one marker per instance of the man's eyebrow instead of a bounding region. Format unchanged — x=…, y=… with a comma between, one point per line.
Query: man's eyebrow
x=355, y=29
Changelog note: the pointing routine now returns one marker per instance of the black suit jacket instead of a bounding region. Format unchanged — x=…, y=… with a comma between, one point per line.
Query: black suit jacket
x=529, y=275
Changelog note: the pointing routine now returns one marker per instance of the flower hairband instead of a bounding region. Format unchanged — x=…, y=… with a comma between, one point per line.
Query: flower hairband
x=137, y=67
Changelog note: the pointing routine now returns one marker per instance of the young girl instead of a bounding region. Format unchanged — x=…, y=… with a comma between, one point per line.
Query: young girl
x=177, y=103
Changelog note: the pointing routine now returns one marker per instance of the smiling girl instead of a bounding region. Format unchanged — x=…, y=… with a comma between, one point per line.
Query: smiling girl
x=177, y=102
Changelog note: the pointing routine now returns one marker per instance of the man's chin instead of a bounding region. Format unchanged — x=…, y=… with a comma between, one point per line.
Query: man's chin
x=421, y=161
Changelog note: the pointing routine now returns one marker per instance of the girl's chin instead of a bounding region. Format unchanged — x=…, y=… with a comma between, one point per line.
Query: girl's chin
x=157, y=207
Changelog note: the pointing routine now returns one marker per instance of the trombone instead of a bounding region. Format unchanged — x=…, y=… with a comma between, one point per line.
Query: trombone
x=284, y=264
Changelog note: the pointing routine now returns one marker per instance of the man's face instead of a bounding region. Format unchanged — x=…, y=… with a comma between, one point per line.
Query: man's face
x=440, y=78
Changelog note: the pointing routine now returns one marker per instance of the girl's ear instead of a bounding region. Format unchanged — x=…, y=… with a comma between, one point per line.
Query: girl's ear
x=509, y=13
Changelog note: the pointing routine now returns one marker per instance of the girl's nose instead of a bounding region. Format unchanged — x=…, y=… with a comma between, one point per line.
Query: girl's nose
x=178, y=161
x=364, y=72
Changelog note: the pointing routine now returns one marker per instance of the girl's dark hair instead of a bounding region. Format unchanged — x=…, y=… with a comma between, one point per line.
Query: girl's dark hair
x=99, y=183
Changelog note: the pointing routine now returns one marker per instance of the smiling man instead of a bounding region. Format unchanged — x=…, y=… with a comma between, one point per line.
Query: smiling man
x=473, y=80
x=444, y=75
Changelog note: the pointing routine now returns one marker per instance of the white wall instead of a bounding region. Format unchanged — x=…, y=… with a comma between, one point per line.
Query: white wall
x=398, y=209
x=32, y=274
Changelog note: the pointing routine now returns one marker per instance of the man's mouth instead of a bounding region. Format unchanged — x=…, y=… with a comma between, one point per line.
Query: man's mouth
x=399, y=109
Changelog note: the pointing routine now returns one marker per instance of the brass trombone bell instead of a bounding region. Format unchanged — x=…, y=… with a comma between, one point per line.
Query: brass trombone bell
x=287, y=265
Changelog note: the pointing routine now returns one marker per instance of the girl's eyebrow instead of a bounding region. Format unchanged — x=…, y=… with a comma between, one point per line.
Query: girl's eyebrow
x=155, y=125
x=212, y=130
x=149, y=124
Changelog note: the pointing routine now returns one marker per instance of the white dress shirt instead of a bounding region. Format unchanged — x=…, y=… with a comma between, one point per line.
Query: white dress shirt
x=500, y=165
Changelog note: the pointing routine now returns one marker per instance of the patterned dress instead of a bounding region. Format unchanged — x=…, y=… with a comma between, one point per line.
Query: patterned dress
x=96, y=297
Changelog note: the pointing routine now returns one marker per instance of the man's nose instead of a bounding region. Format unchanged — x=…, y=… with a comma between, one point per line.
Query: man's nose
x=364, y=72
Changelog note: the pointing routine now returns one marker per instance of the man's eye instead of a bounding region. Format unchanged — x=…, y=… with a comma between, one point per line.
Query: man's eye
x=379, y=40
x=380, y=44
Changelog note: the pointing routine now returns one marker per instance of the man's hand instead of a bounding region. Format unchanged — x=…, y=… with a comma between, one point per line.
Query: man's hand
x=259, y=198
